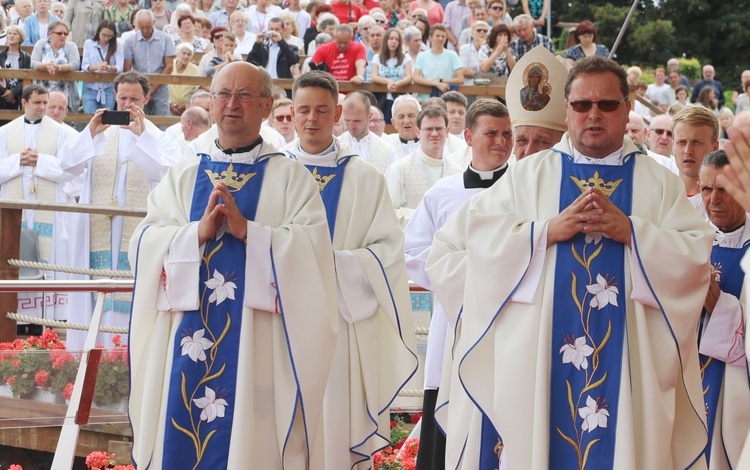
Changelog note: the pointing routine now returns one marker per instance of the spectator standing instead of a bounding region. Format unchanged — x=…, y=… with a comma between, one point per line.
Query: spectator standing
x=346, y=11
x=682, y=95
x=744, y=78
x=303, y=18
x=238, y=25
x=438, y=67
x=392, y=68
x=279, y=58
x=434, y=10
x=36, y=25
x=119, y=12
x=674, y=64
x=527, y=38
x=455, y=12
x=82, y=16
x=152, y=52
x=659, y=90
x=102, y=54
x=498, y=11
x=186, y=34
x=469, y=53
x=586, y=46
x=221, y=16
x=743, y=104
x=178, y=94
x=56, y=56
x=346, y=60
x=260, y=14
x=373, y=48
x=708, y=80
x=496, y=56
x=12, y=57
x=707, y=99
x=162, y=14
x=538, y=11
x=291, y=31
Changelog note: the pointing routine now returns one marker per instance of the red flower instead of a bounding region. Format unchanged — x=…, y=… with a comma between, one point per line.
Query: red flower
x=98, y=460
x=117, y=340
x=393, y=424
x=60, y=359
x=41, y=379
x=401, y=442
x=15, y=467
x=67, y=391
x=415, y=418
x=11, y=380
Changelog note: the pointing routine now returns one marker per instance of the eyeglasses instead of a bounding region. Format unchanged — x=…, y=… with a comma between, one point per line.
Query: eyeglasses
x=241, y=96
x=377, y=120
x=284, y=117
x=497, y=7
x=106, y=36
x=478, y=30
x=219, y=36
x=60, y=33
x=662, y=131
x=605, y=106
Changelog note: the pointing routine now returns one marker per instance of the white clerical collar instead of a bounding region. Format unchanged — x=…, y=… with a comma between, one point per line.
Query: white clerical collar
x=487, y=175
x=429, y=160
x=614, y=158
x=328, y=157
x=733, y=239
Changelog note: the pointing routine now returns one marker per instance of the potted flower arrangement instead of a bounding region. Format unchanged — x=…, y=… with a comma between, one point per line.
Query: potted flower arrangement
x=112, y=383
x=402, y=453
x=26, y=364
x=101, y=461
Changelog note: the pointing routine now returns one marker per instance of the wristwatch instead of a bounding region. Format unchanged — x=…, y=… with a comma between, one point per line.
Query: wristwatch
x=440, y=80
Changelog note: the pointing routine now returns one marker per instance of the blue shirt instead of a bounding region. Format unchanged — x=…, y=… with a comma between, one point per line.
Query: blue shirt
x=435, y=67
x=148, y=56
x=94, y=54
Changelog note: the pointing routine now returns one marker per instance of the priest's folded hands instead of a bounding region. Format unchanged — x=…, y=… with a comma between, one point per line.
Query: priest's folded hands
x=591, y=212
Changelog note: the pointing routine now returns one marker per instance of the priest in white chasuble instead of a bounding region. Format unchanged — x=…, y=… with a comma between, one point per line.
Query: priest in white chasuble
x=721, y=330
x=585, y=274
x=490, y=136
x=121, y=164
x=234, y=323
x=30, y=170
x=374, y=356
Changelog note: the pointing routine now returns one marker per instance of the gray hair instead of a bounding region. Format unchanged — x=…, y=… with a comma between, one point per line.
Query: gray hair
x=716, y=159
x=145, y=11
x=326, y=19
x=185, y=45
x=322, y=38
x=365, y=20
x=523, y=19
x=403, y=99
x=345, y=28
x=410, y=32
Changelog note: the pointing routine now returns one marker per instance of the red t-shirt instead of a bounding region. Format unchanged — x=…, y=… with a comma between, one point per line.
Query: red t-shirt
x=340, y=64
x=346, y=13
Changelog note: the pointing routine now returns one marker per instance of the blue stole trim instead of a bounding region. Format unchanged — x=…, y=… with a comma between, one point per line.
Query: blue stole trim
x=41, y=229
x=202, y=389
x=588, y=326
x=330, y=181
x=726, y=264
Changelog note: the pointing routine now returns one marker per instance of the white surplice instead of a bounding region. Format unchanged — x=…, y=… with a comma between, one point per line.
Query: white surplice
x=284, y=358
x=372, y=149
x=375, y=349
x=503, y=353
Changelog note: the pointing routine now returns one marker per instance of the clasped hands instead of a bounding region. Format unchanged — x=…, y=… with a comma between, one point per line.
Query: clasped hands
x=216, y=212
x=29, y=157
x=591, y=212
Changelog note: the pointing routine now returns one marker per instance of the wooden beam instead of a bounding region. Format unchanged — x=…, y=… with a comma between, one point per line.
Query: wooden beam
x=10, y=240
x=70, y=207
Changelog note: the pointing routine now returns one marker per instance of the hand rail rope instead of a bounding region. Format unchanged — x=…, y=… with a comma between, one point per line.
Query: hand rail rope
x=64, y=324
x=71, y=269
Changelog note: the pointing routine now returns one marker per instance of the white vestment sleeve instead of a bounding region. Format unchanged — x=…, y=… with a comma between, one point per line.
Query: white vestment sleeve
x=75, y=156
x=180, y=290
x=260, y=289
x=722, y=337
x=149, y=155
x=48, y=167
x=418, y=236
x=10, y=167
x=526, y=292
x=356, y=298
x=641, y=291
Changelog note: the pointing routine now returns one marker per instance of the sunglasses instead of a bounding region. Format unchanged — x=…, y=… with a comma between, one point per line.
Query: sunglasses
x=662, y=131
x=282, y=118
x=605, y=106
x=219, y=36
x=380, y=21
x=480, y=30
x=60, y=33
x=498, y=8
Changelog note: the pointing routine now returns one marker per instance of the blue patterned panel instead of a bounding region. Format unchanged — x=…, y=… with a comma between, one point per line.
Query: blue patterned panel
x=101, y=260
x=421, y=301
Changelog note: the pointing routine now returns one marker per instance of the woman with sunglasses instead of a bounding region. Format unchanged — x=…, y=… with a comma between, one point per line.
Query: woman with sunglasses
x=391, y=68
x=101, y=55
x=469, y=53
x=495, y=56
x=498, y=11
x=56, y=56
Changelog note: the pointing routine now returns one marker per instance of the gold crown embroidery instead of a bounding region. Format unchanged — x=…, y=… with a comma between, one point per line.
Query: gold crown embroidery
x=321, y=180
x=606, y=187
x=230, y=178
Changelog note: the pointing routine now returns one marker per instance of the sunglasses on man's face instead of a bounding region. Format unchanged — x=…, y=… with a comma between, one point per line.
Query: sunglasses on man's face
x=285, y=117
x=605, y=106
x=662, y=131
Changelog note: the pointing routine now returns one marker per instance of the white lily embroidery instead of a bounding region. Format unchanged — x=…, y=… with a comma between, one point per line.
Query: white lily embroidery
x=196, y=345
x=594, y=237
x=222, y=289
x=593, y=415
x=604, y=294
x=212, y=407
x=576, y=352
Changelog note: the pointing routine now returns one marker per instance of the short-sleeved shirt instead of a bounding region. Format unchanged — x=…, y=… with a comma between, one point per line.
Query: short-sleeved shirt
x=519, y=48
x=342, y=65
x=148, y=55
x=435, y=15
x=435, y=67
x=349, y=13
x=392, y=70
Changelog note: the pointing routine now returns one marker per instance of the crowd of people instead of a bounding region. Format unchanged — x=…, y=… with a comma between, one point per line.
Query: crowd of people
x=585, y=252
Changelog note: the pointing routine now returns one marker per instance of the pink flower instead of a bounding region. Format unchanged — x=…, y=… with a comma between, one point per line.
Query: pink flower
x=15, y=467
x=67, y=391
x=61, y=359
x=98, y=460
x=11, y=380
x=41, y=379
x=117, y=340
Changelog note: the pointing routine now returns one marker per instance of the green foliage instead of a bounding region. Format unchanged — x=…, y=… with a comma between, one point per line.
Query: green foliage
x=654, y=41
x=690, y=68
x=112, y=381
